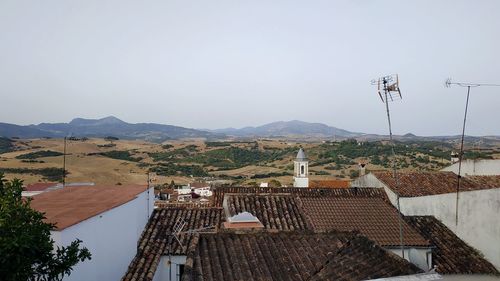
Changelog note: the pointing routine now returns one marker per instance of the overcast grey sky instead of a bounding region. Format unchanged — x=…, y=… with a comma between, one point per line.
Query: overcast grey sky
x=215, y=64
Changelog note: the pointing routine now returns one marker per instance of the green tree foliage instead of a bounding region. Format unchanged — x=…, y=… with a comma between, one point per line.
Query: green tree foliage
x=39, y=154
x=274, y=183
x=26, y=249
x=235, y=157
x=6, y=145
x=353, y=174
x=121, y=155
x=217, y=144
x=171, y=169
x=50, y=174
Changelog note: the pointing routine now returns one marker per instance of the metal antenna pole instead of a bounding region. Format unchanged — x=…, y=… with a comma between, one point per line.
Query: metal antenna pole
x=394, y=169
x=460, y=157
x=387, y=94
x=448, y=84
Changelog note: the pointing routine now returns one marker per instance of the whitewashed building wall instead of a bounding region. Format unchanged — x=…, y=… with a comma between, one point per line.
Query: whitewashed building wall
x=111, y=238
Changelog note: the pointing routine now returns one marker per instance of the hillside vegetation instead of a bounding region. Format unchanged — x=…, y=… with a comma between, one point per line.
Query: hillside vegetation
x=239, y=162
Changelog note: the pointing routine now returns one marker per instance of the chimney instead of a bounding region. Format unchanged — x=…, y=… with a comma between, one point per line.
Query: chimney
x=362, y=170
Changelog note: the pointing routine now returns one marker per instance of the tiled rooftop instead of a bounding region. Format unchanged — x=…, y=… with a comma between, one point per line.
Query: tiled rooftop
x=486, y=181
x=291, y=256
x=39, y=186
x=154, y=241
x=70, y=205
x=302, y=192
x=329, y=184
x=372, y=216
x=278, y=212
x=412, y=184
x=451, y=255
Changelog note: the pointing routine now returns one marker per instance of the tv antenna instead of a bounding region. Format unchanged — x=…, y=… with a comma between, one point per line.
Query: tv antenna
x=448, y=83
x=177, y=230
x=388, y=91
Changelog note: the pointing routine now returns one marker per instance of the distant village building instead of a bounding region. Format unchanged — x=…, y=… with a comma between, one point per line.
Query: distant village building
x=434, y=194
x=301, y=170
x=480, y=167
x=108, y=219
x=201, y=189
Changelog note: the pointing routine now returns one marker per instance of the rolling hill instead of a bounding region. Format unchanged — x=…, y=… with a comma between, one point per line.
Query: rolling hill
x=108, y=126
x=292, y=128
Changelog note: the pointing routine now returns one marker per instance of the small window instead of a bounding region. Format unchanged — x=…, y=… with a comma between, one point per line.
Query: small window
x=301, y=170
x=180, y=271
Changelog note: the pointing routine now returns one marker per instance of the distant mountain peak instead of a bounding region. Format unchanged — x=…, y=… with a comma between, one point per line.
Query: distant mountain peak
x=289, y=128
x=110, y=120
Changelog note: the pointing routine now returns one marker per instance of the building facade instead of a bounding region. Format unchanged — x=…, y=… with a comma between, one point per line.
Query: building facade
x=109, y=221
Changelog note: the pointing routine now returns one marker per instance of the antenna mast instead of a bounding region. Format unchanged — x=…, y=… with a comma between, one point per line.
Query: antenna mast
x=388, y=90
x=448, y=84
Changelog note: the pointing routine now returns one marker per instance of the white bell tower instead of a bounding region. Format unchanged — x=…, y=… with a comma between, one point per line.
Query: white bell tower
x=301, y=170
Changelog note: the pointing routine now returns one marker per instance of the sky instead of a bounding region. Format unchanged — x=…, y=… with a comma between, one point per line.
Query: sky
x=232, y=63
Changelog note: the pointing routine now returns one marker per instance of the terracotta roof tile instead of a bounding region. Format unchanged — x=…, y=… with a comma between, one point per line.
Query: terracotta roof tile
x=372, y=216
x=412, y=184
x=451, y=255
x=279, y=212
x=329, y=184
x=39, y=186
x=155, y=242
x=219, y=192
x=70, y=205
x=290, y=256
x=486, y=181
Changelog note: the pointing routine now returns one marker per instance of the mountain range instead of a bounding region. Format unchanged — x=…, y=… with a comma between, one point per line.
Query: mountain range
x=108, y=126
x=292, y=128
x=112, y=126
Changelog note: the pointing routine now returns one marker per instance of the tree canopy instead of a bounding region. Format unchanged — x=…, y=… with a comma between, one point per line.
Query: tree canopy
x=26, y=249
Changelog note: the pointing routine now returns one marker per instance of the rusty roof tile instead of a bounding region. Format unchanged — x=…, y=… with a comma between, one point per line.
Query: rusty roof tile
x=451, y=255
x=291, y=256
x=412, y=184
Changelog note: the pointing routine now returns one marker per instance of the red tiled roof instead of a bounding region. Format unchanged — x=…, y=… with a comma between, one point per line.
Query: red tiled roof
x=373, y=217
x=154, y=241
x=70, y=205
x=39, y=186
x=291, y=256
x=219, y=192
x=486, y=181
x=279, y=212
x=412, y=184
x=329, y=184
x=451, y=255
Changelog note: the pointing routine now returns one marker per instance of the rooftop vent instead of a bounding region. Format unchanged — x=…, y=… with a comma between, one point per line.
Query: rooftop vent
x=243, y=220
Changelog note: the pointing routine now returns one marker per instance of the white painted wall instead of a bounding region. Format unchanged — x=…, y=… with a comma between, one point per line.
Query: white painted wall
x=478, y=217
x=111, y=237
x=301, y=182
x=421, y=257
x=476, y=167
x=163, y=270
x=479, y=214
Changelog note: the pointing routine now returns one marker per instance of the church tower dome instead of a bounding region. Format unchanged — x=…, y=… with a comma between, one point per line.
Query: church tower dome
x=301, y=170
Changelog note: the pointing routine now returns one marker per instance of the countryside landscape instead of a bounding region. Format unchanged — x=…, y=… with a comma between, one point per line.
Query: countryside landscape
x=235, y=140
x=241, y=159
